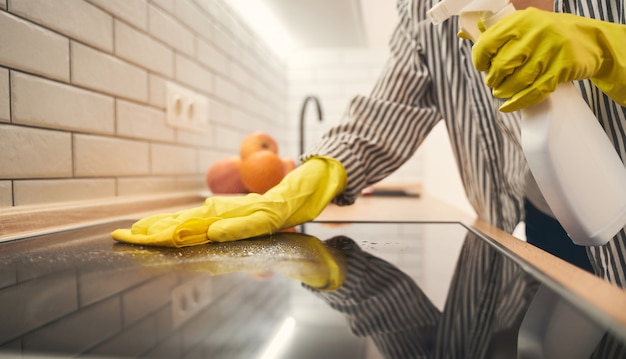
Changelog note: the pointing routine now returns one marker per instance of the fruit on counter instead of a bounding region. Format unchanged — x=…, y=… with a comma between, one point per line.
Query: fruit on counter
x=289, y=164
x=258, y=167
x=223, y=177
x=261, y=170
x=257, y=141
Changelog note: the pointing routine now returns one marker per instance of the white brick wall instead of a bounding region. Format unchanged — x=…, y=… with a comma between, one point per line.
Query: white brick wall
x=82, y=95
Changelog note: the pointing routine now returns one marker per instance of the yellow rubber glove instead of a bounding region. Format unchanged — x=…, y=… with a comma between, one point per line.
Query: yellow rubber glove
x=299, y=197
x=526, y=54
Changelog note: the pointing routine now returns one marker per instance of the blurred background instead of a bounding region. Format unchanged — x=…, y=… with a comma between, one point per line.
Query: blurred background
x=84, y=88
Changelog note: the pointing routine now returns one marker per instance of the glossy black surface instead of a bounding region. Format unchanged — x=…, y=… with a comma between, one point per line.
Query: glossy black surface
x=80, y=294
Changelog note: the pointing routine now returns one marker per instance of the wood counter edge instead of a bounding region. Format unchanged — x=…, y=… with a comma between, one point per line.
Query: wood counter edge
x=24, y=221
x=587, y=288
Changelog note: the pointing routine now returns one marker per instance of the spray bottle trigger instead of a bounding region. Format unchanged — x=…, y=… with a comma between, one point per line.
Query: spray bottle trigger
x=468, y=23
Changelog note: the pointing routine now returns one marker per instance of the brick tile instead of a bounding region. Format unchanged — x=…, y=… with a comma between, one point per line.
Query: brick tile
x=36, y=303
x=5, y=110
x=147, y=298
x=140, y=121
x=94, y=286
x=23, y=44
x=61, y=190
x=145, y=185
x=103, y=156
x=74, y=18
x=34, y=153
x=6, y=194
x=156, y=90
x=99, y=71
x=133, y=12
x=77, y=332
x=142, y=50
x=169, y=30
x=189, y=14
x=194, y=75
x=210, y=56
x=45, y=103
x=131, y=342
x=167, y=5
x=171, y=159
x=226, y=90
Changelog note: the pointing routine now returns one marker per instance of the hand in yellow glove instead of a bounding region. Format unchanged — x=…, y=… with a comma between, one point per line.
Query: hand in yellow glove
x=298, y=198
x=528, y=53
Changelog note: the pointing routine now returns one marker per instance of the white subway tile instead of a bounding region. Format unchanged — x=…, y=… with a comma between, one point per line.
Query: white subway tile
x=191, y=183
x=61, y=190
x=224, y=42
x=5, y=109
x=74, y=18
x=314, y=57
x=228, y=139
x=144, y=122
x=227, y=90
x=239, y=75
x=197, y=139
x=29, y=47
x=190, y=14
x=34, y=153
x=220, y=112
x=134, y=12
x=6, y=194
x=40, y=102
x=171, y=159
x=367, y=57
x=99, y=71
x=156, y=91
x=194, y=75
x=167, y=5
x=145, y=185
x=210, y=56
x=340, y=75
x=104, y=156
x=169, y=30
x=142, y=50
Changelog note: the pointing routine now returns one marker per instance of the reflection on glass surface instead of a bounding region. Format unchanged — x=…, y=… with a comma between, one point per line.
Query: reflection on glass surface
x=363, y=290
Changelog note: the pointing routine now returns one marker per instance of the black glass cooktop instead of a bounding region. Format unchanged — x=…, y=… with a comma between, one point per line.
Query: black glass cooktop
x=330, y=290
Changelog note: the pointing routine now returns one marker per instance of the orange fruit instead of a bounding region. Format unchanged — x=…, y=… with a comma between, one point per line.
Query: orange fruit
x=261, y=171
x=224, y=176
x=289, y=164
x=257, y=141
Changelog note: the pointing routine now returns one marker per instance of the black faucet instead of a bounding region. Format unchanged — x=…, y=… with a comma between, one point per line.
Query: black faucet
x=302, y=112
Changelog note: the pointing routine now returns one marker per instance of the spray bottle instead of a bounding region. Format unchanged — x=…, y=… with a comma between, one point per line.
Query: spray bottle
x=575, y=165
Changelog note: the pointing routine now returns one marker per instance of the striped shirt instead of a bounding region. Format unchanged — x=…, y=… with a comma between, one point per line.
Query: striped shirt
x=429, y=78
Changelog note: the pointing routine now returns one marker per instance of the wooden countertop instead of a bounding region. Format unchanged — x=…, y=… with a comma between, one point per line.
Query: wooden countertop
x=379, y=208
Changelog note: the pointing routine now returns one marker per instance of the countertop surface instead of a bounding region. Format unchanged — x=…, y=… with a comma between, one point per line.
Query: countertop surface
x=312, y=294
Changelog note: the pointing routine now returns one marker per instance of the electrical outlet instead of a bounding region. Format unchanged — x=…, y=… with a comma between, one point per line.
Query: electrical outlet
x=190, y=298
x=186, y=109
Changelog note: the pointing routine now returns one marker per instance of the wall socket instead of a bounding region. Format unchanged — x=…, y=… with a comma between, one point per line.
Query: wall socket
x=189, y=298
x=186, y=109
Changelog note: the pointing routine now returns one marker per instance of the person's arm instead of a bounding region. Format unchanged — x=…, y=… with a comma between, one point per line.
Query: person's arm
x=527, y=54
x=383, y=131
x=380, y=132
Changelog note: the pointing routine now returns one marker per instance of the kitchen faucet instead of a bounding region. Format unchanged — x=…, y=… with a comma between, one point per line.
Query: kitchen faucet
x=302, y=113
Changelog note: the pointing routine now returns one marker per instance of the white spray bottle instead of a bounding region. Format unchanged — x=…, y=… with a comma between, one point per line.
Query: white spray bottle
x=575, y=165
